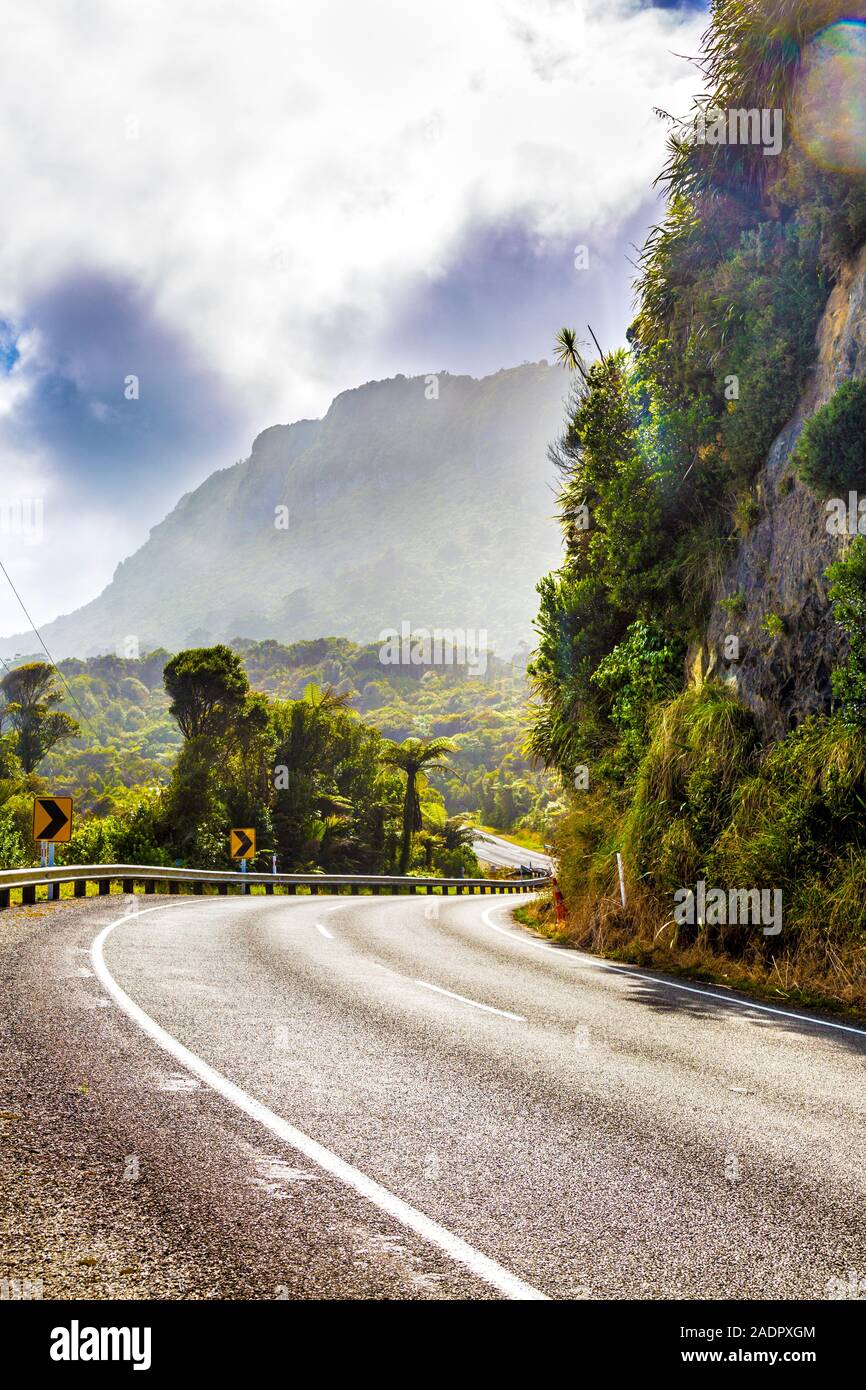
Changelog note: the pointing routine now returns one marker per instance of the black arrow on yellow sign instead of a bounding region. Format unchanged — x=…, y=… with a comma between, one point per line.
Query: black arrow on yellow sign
x=243, y=844
x=52, y=818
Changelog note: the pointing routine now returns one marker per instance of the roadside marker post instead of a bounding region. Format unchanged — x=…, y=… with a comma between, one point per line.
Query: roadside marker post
x=46, y=860
x=621, y=879
x=52, y=825
x=558, y=902
x=242, y=846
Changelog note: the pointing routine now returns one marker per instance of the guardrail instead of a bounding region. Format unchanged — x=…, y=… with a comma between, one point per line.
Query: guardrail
x=149, y=875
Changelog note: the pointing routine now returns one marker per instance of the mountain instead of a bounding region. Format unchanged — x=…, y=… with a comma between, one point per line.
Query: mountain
x=401, y=505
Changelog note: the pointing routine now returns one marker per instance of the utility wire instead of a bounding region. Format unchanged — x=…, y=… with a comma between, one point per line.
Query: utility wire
x=46, y=651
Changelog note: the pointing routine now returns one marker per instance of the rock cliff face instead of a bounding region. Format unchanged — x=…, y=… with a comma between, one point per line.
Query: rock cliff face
x=780, y=565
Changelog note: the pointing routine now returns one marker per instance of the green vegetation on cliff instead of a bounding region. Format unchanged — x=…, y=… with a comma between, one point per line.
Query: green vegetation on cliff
x=658, y=464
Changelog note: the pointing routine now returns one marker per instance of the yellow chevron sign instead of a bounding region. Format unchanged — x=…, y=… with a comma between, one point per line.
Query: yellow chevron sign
x=242, y=844
x=52, y=819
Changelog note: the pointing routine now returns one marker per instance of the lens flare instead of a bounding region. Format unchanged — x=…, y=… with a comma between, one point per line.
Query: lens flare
x=830, y=104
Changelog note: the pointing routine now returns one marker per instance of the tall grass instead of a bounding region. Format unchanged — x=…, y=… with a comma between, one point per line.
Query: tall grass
x=709, y=803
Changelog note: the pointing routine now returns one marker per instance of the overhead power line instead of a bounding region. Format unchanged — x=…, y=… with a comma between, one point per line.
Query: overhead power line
x=38, y=634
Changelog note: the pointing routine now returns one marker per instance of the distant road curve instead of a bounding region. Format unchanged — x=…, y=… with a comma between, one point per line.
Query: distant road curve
x=502, y=854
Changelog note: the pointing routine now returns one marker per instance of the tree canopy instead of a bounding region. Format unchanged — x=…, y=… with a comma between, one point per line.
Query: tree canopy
x=31, y=691
x=208, y=686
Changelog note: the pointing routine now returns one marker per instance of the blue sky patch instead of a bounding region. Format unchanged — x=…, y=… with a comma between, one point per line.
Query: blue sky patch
x=9, y=353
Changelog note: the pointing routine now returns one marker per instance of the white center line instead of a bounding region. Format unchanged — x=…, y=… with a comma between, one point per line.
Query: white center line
x=324, y=931
x=488, y=1008
x=452, y=1245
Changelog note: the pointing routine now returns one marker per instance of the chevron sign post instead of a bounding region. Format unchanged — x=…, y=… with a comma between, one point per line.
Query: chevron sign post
x=242, y=846
x=52, y=825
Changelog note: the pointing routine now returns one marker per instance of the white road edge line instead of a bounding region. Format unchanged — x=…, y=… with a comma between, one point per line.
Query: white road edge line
x=328, y=935
x=456, y=1249
x=488, y=1008
x=580, y=958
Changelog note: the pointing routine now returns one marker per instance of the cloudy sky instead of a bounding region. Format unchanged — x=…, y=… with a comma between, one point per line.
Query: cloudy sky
x=251, y=207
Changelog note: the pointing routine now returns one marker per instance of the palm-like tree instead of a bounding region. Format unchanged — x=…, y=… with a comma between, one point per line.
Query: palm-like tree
x=329, y=843
x=414, y=756
x=429, y=840
x=326, y=700
x=567, y=352
x=457, y=832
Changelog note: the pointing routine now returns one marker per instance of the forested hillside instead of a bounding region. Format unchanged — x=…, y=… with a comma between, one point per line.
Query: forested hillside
x=320, y=787
x=687, y=645
x=128, y=741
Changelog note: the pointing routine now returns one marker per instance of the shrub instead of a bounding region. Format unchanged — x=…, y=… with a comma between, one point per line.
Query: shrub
x=13, y=854
x=642, y=670
x=848, y=596
x=831, y=452
x=138, y=835
x=734, y=604
x=92, y=842
x=702, y=743
x=679, y=860
x=747, y=513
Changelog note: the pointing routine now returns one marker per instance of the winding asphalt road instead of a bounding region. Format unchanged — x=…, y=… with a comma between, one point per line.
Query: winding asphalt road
x=406, y=1098
x=502, y=854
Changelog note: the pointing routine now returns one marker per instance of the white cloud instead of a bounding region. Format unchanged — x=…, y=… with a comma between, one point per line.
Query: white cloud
x=296, y=162
x=274, y=175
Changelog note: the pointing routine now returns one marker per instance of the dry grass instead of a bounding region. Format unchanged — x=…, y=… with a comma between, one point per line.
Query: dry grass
x=820, y=973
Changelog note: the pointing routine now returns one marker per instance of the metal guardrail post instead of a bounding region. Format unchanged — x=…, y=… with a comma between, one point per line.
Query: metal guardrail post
x=177, y=880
